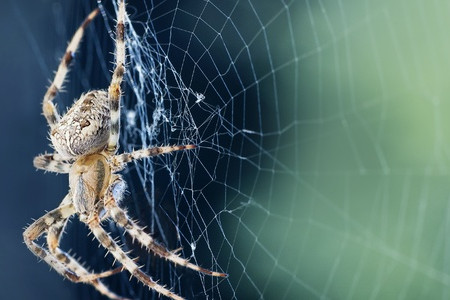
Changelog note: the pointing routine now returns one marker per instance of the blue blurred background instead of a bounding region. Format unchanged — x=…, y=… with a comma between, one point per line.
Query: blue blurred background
x=27, y=61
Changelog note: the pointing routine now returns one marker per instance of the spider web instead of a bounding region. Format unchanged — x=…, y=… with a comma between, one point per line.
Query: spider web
x=322, y=165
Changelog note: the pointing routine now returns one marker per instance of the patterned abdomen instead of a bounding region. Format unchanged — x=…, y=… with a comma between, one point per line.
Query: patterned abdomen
x=84, y=129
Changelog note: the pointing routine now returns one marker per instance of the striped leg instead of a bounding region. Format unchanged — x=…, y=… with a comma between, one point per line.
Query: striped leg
x=120, y=217
x=53, y=223
x=49, y=109
x=41, y=225
x=80, y=273
x=114, y=91
x=119, y=161
x=109, y=243
x=52, y=163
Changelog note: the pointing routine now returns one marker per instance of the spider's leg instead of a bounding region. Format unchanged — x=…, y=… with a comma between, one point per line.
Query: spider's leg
x=52, y=163
x=109, y=243
x=52, y=223
x=119, y=161
x=121, y=218
x=114, y=91
x=81, y=274
x=49, y=109
x=40, y=226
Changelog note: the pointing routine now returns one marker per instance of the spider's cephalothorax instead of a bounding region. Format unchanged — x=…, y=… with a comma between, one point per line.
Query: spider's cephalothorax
x=85, y=140
x=89, y=178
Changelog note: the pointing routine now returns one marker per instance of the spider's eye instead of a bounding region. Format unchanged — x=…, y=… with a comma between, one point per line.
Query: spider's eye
x=84, y=123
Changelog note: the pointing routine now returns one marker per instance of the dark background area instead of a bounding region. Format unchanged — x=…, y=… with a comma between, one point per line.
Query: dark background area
x=27, y=56
x=35, y=36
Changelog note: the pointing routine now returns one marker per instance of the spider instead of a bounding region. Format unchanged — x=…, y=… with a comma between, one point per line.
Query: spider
x=85, y=141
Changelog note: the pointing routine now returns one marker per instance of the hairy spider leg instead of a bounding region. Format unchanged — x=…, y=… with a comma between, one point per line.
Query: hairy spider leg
x=54, y=234
x=53, y=222
x=109, y=243
x=52, y=163
x=119, y=161
x=114, y=91
x=81, y=274
x=137, y=232
x=48, y=107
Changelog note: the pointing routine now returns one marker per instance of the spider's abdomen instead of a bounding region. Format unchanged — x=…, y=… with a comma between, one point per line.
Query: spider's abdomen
x=84, y=129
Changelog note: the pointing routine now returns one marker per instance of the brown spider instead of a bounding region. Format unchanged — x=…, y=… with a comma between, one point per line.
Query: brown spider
x=85, y=140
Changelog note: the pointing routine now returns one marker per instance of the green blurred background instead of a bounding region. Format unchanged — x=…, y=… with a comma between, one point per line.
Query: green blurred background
x=359, y=205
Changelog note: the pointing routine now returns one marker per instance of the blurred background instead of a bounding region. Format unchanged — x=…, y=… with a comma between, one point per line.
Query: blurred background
x=328, y=148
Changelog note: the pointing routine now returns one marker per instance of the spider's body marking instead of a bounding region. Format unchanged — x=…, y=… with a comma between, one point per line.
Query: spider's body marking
x=85, y=140
x=84, y=129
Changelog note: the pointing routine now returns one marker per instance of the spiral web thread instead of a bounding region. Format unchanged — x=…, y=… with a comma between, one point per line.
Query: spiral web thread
x=307, y=181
